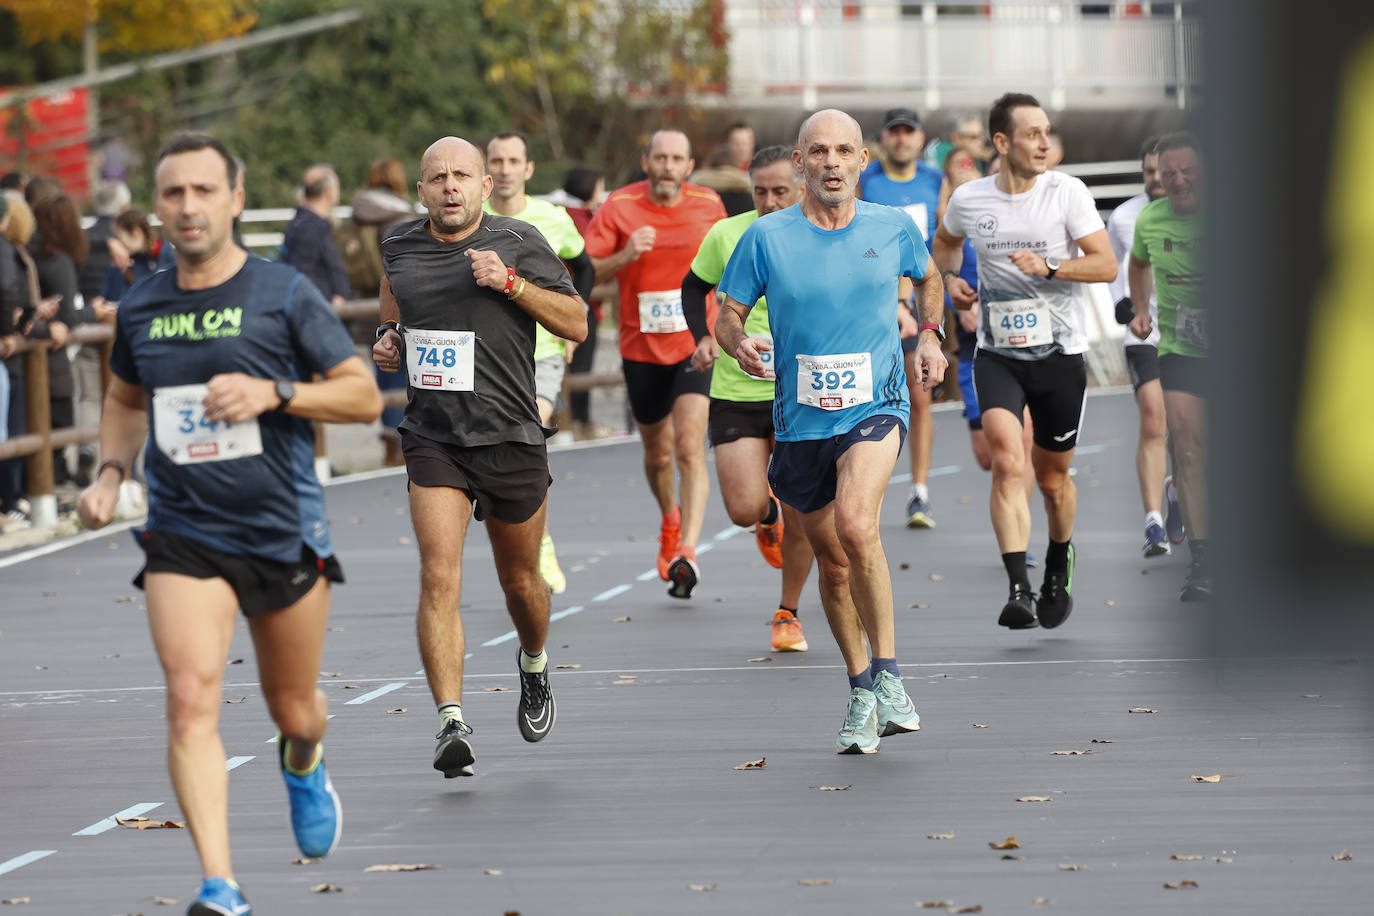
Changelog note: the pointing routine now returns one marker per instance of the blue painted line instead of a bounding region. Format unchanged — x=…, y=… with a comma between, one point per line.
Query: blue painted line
x=565, y=613
x=504, y=637
x=234, y=763
x=610, y=593
x=110, y=822
x=379, y=692
x=647, y=575
x=25, y=859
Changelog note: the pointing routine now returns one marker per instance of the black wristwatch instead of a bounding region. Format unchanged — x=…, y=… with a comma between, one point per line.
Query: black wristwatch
x=388, y=326
x=286, y=391
x=1053, y=265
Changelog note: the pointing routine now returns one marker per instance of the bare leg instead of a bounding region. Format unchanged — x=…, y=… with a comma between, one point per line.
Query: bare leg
x=515, y=549
x=290, y=644
x=1187, y=418
x=440, y=517
x=658, y=462
x=796, y=558
x=1151, y=454
x=690, y=412
x=1009, y=508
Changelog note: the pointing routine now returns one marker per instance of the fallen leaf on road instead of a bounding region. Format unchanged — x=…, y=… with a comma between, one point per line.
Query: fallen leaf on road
x=1311, y=696
x=1178, y=858
x=352, y=686
x=701, y=887
x=165, y=901
x=495, y=689
x=621, y=620
x=236, y=661
x=1008, y=843
x=403, y=540
x=904, y=566
x=1343, y=857
x=1215, y=777
x=113, y=655
x=816, y=882
x=491, y=871
x=762, y=658
x=15, y=900
x=940, y=836
x=330, y=674
x=396, y=712
x=1012, y=858
x=121, y=599
x=142, y=823
x=1071, y=753
x=1063, y=867
x=1142, y=709
x=975, y=908
x=835, y=788
x=1035, y=798
x=1225, y=860
x=325, y=889
x=565, y=667
x=934, y=904
x=236, y=702
x=1176, y=885
x=921, y=605
x=754, y=764
x=936, y=577
x=1110, y=603
x=399, y=867
x=40, y=667
x=979, y=725
x=1040, y=900
x=304, y=861
x=1102, y=741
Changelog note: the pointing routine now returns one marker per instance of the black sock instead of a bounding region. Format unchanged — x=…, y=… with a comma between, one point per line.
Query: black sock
x=1057, y=556
x=1197, y=549
x=790, y=610
x=1015, y=562
x=772, y=517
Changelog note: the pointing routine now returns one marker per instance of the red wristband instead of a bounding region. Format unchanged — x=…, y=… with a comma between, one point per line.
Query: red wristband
x=510, y=282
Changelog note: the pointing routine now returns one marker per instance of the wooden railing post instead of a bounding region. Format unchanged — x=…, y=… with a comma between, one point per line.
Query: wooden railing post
x=38, y=418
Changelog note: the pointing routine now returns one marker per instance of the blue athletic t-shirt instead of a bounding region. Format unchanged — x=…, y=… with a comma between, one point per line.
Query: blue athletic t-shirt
x=831, y=293
x=919, y=196
x=266, y=321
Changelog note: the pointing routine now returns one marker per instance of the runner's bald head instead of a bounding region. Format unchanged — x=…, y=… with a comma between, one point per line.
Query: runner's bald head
x=831, y=118
x=449, y=149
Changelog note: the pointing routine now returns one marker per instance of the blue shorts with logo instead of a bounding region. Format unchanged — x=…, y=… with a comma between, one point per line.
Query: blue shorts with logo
x=803, y=474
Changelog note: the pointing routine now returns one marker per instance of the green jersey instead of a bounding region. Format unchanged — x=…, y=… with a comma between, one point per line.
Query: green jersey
x=1171, y=243
x=554, y=223
x=728, y=381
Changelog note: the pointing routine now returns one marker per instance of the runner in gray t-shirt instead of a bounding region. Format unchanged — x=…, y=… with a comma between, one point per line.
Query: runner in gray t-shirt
x=461, y=293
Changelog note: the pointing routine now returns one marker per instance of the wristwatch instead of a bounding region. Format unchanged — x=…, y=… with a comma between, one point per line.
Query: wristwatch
x=1053, y=265
x=939, y=331
x=286, y=391
x=388, y=326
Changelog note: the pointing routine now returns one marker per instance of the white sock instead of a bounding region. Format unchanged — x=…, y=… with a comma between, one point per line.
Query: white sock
x=450, y=711
x=919, y=489
x=1153, y=518
x=533, y=664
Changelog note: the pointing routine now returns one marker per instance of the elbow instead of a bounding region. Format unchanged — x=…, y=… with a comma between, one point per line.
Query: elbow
x=578, y=330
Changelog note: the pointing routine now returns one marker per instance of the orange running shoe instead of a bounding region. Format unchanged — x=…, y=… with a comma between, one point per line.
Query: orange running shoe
x=669, y=536
x=787, y=633
x=769, y=538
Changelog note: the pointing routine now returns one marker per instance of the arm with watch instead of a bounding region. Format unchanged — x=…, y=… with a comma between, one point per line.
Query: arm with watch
x=930, y=301
x=1096, y=265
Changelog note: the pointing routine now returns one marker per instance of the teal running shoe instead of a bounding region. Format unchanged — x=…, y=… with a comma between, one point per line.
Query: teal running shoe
x=859, y=734
x=219, y=897
x=316, y=815
x=896, y=713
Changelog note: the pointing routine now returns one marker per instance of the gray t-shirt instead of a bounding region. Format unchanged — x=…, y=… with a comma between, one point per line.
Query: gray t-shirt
x=469, y=349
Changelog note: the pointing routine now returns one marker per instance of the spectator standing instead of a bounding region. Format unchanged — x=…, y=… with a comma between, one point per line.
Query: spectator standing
x=308, y=243
x=60, y=256
x=728, y=180
x=17, y=229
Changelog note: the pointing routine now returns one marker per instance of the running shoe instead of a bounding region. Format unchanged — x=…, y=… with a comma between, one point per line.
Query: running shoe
x=453, y=755
x=683, y=576
x=218, y=897
x=787, y=632
x=1032, y=561
x=1056, y=596
x=769, y=538
x=896, y=713
x=918, y=513
x=1173, y=515
x=1198, y=585
x=537, y=710
x=1156, y=542
x=548, y=567
x=1019, y=611
x=316, y=815
x=669, y=536
x=859, y=734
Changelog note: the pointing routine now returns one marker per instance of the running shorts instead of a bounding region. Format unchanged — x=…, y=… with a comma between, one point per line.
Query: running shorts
x=972, y=414
x=507, y=481
x=1055, y=389
x=1143, y=362
x=653, y=388
x=261, y=585
x=803, y=474
x=1184, y=373
x=731, y=420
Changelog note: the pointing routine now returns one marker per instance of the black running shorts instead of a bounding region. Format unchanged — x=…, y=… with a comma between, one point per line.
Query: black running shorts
x=261, y=585
x=803, y=474
x=653, y=388
x=1055, y=389
x=731, y=420
x=507, y=481
x=1184, y=373
x=1142, y=360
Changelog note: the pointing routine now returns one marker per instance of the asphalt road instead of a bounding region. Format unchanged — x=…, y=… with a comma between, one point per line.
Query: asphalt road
x=634, y=805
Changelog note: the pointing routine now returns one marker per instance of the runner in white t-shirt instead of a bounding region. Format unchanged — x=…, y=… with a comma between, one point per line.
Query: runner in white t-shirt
x=1142, y=359
x=1038, y=239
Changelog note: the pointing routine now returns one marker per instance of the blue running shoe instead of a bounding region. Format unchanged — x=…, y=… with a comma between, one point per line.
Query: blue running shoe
x=896, y=713
x=316, y=816
x=1173, y=515
x=918, y=513
x=859, y=734
x=1156, y=542
x=218, y=897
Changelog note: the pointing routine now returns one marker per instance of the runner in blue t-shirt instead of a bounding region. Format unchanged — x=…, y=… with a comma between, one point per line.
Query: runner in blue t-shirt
x=903, y=180
x=212, y=365
x=829, y=267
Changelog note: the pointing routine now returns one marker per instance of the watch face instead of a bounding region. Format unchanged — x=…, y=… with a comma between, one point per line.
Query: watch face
x=1052, y=263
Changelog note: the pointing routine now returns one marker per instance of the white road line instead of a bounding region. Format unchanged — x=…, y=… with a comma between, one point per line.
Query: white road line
x=504, y=637
x=379, y=692
x=111, y=822
x=702, y=548
x=610, y=593
x=234, y=763
x=25, y=859
x=568, y=612
x=64, y=543
x=647, y=575
x=728, y=533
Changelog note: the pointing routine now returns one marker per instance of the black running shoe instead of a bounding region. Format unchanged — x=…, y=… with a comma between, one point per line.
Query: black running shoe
x=683, y=576
x=1198, y=585
x=1056, y=595
x=1019, y=611
x=453, y=756
x=537, y=710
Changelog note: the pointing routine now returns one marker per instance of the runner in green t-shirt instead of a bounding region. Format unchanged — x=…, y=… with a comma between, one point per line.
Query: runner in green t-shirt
x=741, y=418
x=1168, y=251
x=510, y=167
